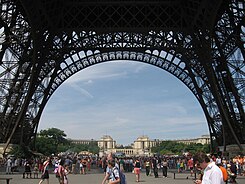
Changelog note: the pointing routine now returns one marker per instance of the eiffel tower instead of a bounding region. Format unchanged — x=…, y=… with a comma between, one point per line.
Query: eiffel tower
x=44, y=42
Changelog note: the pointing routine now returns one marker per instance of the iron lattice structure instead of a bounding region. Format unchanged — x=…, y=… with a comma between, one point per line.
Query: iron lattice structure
x=44, y=42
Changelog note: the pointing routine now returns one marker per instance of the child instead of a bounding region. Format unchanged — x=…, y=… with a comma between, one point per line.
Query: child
x=35, y=171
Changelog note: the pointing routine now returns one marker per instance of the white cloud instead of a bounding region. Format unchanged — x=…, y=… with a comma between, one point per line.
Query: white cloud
x=89, y=82
x=81, y=90
x=139, y=68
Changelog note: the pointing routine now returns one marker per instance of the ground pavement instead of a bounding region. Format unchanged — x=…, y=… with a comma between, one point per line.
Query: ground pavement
x=97, y=177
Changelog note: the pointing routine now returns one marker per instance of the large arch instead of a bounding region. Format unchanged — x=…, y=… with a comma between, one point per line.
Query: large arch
x=42, y=46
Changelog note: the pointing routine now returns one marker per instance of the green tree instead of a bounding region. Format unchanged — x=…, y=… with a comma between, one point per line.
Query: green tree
x=45, y=145
x=48, y=140
x=172, y=147
x=53, y=141
x=92, y=147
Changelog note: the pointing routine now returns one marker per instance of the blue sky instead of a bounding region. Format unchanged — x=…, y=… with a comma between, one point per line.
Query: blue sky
x=124, y=99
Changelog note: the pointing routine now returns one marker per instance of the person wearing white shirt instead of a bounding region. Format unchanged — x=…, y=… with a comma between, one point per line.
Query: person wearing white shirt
x=211, y=174
x=8, y=166
x=218, y=160
x=108, y=174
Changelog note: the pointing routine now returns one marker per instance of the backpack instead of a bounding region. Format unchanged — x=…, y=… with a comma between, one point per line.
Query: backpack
x=56, y=172
x=121, y=175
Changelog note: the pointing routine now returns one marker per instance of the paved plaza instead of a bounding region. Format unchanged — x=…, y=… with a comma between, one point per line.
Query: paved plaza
x=96, y=178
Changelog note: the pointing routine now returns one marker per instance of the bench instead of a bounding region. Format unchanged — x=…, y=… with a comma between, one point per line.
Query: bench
x=7, y=179
x=195, y=175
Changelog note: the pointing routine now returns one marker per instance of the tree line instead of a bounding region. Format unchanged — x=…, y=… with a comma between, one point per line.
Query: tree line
x=53, y=141
x=175, y=148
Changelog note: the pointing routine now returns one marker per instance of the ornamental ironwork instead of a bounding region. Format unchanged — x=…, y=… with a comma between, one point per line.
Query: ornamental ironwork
x=44, y=42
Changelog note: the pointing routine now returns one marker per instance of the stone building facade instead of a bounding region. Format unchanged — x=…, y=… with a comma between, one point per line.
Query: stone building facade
x=204, y=139
x=141, y=146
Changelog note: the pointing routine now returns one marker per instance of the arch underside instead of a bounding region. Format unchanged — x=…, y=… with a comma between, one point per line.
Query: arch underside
x=209, y=62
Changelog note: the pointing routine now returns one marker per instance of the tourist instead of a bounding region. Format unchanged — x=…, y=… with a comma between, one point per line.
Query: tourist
x=137, y=169
x=164, y=166
x=147, y=167
x=27, y=171
x=67, y=171
x=232, y=171
x=243, y=165
x=74, y=162
x=108, y=172
x=178, y=165
x=224, y=172
x=212, y=173
x=114, y=177
x=45, y=173
x=84, y=165
x=8, y=166
x=80, y=166
x=181, y=166
x=60, y=174
x=155, y=166
x=121, y=164
x=190, y=165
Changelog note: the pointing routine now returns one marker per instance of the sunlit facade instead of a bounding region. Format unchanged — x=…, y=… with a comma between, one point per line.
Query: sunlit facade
x=141, y=146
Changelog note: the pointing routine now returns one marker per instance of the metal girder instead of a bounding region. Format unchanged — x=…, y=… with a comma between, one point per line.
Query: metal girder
x=43, y=43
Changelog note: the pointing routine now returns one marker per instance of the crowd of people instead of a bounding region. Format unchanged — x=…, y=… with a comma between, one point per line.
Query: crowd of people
x=61, y=166
x=217, y=170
